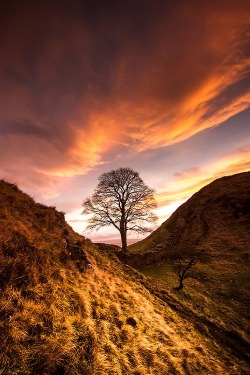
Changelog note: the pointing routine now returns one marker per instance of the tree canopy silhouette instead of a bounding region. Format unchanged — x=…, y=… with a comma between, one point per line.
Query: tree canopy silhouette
x=121, y=199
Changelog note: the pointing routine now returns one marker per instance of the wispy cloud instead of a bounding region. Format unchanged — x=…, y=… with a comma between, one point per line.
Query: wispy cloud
x=98, y=82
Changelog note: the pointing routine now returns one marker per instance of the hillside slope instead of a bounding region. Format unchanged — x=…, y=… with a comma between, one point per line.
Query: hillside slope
x=217, y=216
x=58, y=316
x=217, y=220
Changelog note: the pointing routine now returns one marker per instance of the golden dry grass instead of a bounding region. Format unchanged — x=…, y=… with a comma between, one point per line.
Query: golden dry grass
x=56, y=318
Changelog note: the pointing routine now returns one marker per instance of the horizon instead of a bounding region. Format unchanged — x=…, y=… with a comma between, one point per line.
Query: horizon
x=88, y=87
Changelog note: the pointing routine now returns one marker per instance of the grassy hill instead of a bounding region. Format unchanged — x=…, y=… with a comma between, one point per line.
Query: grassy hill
x=58, y=316
x=217, y=218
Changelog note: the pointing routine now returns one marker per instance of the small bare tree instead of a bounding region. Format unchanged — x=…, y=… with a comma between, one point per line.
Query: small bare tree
x=121, y=199
x=182, y=266
x=183, y=254
x=182, y=262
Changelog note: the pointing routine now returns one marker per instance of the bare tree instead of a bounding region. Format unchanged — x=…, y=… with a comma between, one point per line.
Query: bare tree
x=182, y=267
x=183, y=254
x=182, y=262
x=121, y=199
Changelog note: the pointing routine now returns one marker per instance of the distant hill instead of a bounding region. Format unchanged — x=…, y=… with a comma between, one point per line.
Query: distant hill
x=217, y=217
x=67, y=307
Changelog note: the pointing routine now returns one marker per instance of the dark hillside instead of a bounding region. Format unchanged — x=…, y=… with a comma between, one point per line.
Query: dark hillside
x=217, y=217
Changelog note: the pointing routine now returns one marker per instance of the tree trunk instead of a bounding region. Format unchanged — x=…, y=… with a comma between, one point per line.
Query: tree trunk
x=180, y=287
x=123, y=231
x=124, y=244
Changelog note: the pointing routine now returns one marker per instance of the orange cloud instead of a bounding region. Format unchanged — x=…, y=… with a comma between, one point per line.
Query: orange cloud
x=80, y=85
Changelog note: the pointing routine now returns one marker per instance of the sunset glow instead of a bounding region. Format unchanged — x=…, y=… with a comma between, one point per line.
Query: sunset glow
x=87, y=87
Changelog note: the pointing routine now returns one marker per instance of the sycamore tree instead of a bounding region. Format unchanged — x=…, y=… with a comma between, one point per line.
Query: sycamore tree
x=122, y=200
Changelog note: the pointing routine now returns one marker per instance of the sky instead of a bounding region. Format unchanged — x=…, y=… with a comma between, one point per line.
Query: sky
x=162, y=87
